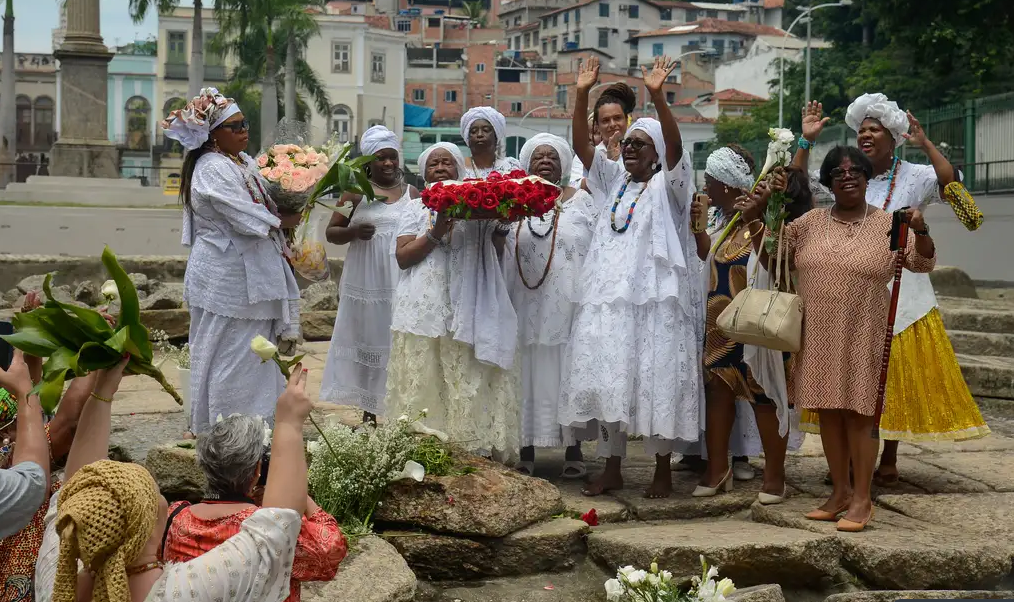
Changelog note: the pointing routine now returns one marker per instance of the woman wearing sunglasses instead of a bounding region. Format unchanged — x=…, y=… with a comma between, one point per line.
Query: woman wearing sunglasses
x=635, y=358
x=238, y=283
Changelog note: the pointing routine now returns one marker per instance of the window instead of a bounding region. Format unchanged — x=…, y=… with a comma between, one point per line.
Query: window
x=665, y=14
x=517, y=20
x=542, y=76
x=341, y=122
x=577, y=38
x=566, y=17
x=138, y=123
x=603, y=38
x=603, y=9
x=734, y=46
x=719, y=46
x=670, y=97
x=552, y=44
x=517, y=42
x=524, y=77
x=515, y=107
x=211, y=59
x=404, y=26
x=177, y=47
x=632, y=40
x=480, y=67
x=577, y=16
x=418, y=95
x=44, y=120
x=711, y=14
x=341, y=57
x=733, y=16
x=450, y=96
x=528, y=40
x=657, y=50
x=565, y=39
x=545, y=47
x=634, y=11
x=433, y=22
x=23, y=134
x=691, y=16
x=561, y=96
x=556, y=20
x=378, y=67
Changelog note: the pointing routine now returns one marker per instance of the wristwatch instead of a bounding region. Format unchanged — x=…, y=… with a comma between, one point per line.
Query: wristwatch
x=921, y=232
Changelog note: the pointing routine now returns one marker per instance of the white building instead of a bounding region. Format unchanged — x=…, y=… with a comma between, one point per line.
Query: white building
x=729, y=39
x=759, y=65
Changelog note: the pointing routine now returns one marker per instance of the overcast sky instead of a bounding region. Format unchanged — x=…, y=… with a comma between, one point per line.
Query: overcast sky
x=35, y=20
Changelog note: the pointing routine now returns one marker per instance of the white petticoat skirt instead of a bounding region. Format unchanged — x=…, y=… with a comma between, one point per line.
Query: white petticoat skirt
x=541, y=371
x=225, y=376
x=476, y=404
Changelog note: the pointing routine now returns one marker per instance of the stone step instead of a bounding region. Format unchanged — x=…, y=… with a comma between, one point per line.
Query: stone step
x=970, y=342
x=936, y=594
x=978, y=319
x=988, y=376
x=357, y=579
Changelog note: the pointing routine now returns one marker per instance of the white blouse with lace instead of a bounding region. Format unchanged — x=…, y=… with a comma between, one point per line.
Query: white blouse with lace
x=503, y=166
x=254, y=565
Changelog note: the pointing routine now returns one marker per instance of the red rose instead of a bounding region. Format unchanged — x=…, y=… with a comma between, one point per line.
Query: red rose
x=490, y=202
x=518, y=174
x=445, y=200
x=497, y=189
x=511, y=189
x=591, y=517
x=473, y=197
x=494, y=177
x=437, y=186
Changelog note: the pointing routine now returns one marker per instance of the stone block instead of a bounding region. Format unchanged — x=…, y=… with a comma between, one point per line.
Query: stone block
x=952, y=282
x=373, y=572
x=176, y=472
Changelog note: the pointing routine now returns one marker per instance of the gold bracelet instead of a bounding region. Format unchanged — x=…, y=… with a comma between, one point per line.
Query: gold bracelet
x=101, y=398
x=143, y=568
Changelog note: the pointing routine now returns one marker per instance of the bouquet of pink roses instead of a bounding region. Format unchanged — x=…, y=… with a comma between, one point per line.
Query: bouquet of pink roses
x=292, y=173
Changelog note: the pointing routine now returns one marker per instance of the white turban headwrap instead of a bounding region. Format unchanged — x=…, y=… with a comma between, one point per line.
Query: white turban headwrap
x=561, y=146
x=192, y=125
x=459, y=159
x=653, y=128
x=878, y=107
x=729, y=168
x=498, y=121
x=376, y=139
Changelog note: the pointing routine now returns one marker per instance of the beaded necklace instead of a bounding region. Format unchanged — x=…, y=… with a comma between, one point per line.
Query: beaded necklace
x=552, y=226
x=630, y=212
x=891, y=181
x=552, y=251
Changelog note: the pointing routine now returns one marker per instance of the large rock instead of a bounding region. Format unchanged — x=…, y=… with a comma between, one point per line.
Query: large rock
x=953, y=282
x=31, y=283
x=758, y=593
x=88, y=293
x=922, y=594
x=166, y=296
x=550, y=546
x=320, y=296
x=4, y=304
x=493, y=501
x=176, y=472
x=140, y=282
x=317, y=325
x=373, y=572
x=174, y=322
x=748, y=553
x=12, y=296
x=899, y=552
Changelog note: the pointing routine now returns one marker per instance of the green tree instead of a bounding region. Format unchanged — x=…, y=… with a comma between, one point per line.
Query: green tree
x=249, y=97
x=474, y=11
x=138, y=10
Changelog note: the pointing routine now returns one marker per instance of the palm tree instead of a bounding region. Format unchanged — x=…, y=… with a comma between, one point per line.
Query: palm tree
x=474, y=11
x=195, y=73
x=259, y=33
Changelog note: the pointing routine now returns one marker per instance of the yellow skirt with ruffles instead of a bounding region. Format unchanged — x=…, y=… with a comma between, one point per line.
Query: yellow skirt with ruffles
x=927, y=398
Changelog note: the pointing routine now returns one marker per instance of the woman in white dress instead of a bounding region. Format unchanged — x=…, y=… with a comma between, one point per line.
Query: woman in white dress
x=927, y=398
x=635, y=351
x=485, y=132
x=238, y=282
x=549, y=253
x=110, y=517
x=454, y=330
x=356, y=369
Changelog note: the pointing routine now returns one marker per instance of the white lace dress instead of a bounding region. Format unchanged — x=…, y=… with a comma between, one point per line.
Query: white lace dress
x=635, y=352
x=254, y=565
x=545, y=315
x=503, y=166
x=454, y=340
x=238, y=285
x=356, y=368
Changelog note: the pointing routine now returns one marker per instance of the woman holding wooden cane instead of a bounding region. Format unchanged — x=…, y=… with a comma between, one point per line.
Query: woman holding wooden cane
x=843, y=261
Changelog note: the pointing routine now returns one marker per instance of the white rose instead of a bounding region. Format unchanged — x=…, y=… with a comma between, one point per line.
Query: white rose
x=626, y=570
x=712, y=572
x=264, y=348
x=614, y=591
x=653, y=580
x=666, y=576
x=636, y=577
x=109, y=290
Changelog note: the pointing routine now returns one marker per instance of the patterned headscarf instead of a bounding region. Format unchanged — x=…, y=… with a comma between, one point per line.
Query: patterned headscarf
x=729, y=168
x=376, y=139
x=105, y=515
x=887, y=112
x=191, y=126
x=459, y=159
x=495, y=118
x=561, y=146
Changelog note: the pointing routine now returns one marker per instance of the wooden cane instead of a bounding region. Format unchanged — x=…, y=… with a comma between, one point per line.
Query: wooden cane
x=899, y=240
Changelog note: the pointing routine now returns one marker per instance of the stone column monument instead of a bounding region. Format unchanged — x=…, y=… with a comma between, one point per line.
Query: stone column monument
x=83, y=148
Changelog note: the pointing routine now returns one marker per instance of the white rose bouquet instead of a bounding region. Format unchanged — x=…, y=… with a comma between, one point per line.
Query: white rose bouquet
x=653, y=585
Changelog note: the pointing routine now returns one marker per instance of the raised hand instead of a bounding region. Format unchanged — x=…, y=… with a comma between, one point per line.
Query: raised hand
x=613, y=146
x=660, y=71
x=588, y=75
x=813, y=120
x=294, y=404
x=916, y=135
x=17, y=378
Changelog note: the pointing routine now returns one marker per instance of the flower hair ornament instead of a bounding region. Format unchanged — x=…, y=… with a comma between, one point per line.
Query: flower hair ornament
x=729, y=168
x=192, y=125
x=887, y=112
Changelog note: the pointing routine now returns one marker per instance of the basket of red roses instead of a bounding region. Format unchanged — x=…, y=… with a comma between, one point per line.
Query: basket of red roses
x=512, y=197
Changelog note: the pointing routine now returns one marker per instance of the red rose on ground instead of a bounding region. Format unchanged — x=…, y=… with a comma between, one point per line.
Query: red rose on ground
x=490, y=202
x=473, y=197
x=591, y=517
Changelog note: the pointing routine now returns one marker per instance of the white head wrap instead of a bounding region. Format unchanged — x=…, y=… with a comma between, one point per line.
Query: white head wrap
x=459, y=159
x=729, y=168
x=654, y=129
x=498, y=121
x=376, y=139
x=561, y=146
x=192, y=124
x=878, y=107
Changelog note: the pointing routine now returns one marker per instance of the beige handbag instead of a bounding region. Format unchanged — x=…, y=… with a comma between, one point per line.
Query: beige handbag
x=766, y=318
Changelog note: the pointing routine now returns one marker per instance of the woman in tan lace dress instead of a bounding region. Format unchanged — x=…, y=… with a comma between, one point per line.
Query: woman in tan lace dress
x=843, y=262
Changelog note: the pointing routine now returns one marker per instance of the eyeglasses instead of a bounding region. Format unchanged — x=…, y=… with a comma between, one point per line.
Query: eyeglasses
x=633, y=143
x=237, y=126
x=838, y=174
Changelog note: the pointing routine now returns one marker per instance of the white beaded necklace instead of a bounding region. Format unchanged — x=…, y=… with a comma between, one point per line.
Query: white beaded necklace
x=851, y=238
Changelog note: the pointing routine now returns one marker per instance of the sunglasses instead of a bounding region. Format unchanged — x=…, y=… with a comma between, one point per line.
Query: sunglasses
x=633, y=143
x=237, y=126
x=838, y=174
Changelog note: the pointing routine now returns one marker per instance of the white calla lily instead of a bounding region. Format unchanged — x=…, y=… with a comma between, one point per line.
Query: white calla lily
x=413, y=470
x=110, y=291
x=421, y=429
x=614, y=590
x=264, y=348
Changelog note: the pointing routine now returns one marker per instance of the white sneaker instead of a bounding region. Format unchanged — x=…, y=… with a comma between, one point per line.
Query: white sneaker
x=742, y=471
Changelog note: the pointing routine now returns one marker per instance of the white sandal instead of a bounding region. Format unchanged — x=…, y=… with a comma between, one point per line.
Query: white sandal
x=574, y=465
x=526, y=467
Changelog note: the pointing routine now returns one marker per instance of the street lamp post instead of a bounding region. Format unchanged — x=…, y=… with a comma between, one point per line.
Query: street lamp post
x=526, y=115
x=807, y=13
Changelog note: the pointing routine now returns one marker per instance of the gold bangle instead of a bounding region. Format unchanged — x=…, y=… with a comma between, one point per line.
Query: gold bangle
x=100, y=398
x=143, y=568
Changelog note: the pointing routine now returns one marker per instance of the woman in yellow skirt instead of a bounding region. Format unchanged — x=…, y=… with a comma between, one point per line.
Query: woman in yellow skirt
x=927, y=398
